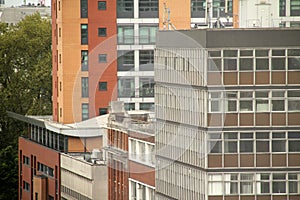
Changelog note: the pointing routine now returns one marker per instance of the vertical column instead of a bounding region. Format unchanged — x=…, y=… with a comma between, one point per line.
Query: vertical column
x=235, y=13
x=288, y=12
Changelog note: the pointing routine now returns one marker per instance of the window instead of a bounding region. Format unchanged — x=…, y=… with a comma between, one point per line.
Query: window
x=293, y=183
x=146, y=106
x=278, y=63
x=84, y=111
x=147, y=34
x=102, y=58
x=102, y=111
x=198, y=8
x=282, y=9
x=246, y=142
x=214, y=64
x=262, y=142
x=278, y=142
x=125, y=8
x=125, y=60
x=295, y=8
x=263, y=183
x=146, y=87
x=101, y=5
x=148, y=8
x=129, y=106
x=279, y=184
x=230, y=142
x=132, y=150
x=230, y=64
x=262, y=101
x=146, y=60
x=246, y=101
x=294, y=141
x=215, y=185
x=231, y=101
x=125, y=35
x=26, y=186
x=231, y=183
x=215, y=101
x=26, y=160
x=101, y=32
x=102, y=86
x=246, y=64
x=84, y=34
x=246, y=184
x=278, y=101
x=219, y=8
x=126, y=87
x=84, y=87
x=262, y=64
x=294, y=100
x=84, y=8
x=294, y=59
x=215, y=143
x=84, y=60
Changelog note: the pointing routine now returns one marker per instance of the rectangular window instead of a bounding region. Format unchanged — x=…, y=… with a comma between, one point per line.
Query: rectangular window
x=278, y=142
x=102, y=58
x=262, y=101
x=295, y=7
x=101, y=5
x=219, y=8
x=215, y=102
x=246, y=184
x=279, y=183
x=102, y=32
x=125, y=35
x=102, y=111
x=147, y=34
x=84, y=60
x=84, y=34
x=231, y=101
x=102, y=86
x=231, y=183
x=126, y=87
x=26, y=186
x=215, y=143
x=262, y=64
x=230, y=64
x=146, y=60
x=146, y=87
x=214, y=64
x=125, y=8
x=26, y=160
x=294, y=183
x=146, y=106
x=84, y=87
x=294, y=141
x=129, y=106
x=230, y=142
x=294, y=63
x=84, y=111
x=246, y=64
x=263, y=183
x=282, y=9
x=246, y=142
x=246, y=101
x=148, y=8
x=262, y=142
x=278, y=101
x=198, y=8
x=125, y=60
x=84, y=8
x=294, y=100
x=278, y=63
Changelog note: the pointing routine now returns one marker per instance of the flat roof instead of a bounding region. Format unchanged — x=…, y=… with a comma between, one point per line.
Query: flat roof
x=229, y=37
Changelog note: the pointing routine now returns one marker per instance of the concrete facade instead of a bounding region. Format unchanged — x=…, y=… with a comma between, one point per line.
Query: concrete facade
x=227, y=117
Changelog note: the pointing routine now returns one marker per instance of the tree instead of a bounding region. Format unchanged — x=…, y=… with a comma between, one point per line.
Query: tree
x=25, y=85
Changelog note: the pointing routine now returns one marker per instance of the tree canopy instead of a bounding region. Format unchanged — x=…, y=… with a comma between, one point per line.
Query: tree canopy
x=25, y=86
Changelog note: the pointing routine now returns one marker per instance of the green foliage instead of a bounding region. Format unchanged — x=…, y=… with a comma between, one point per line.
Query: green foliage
x=25, y=86
x=9, y=173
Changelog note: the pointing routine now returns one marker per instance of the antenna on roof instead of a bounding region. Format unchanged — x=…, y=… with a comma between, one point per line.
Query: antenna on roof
x=166, y=17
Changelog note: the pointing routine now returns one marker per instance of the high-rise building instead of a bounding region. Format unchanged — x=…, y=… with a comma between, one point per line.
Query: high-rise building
x=228, y=114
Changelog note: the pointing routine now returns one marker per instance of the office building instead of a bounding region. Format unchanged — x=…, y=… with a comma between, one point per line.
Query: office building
x=228, y=115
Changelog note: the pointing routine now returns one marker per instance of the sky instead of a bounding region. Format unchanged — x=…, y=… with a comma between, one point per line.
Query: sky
x=9, y=3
